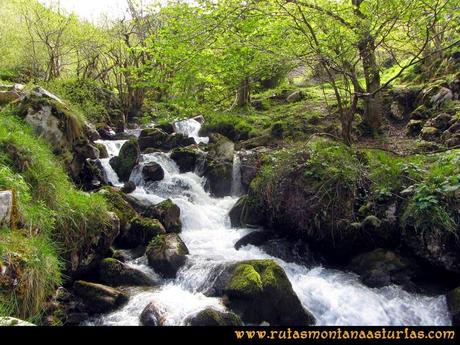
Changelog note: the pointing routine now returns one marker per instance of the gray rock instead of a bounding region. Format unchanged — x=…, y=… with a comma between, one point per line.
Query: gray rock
x=6, y=207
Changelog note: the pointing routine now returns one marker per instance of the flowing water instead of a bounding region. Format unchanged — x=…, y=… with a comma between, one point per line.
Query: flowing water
x=334, y=297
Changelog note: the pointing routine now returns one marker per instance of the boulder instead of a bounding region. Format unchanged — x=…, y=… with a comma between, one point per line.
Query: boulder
x=103, y=153
x=251, y=162
x=128, y=187
x=150, y=316
x=259, y=291
x=219, y=165
x=186, y=158
x=454, y=141
x=168, y=213
x=98, y=298
x=166, y=127
x=92, y=175
x=245, y=213
x=86, y=260
x=10, y=93
x=382, y=267
x=151, y=138
x=127, y=159
x=453, y=304
x=152, y=172
x=255, y=238
x=140, y=233
x=166, y=254
x=91, y=132
x=116, y=273
x=436, y=246
x=213, y=317
x=177, y=140
x=6, y=208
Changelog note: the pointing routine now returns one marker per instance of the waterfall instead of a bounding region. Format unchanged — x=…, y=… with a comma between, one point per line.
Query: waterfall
x=334, y=297
x=191, y=127
x=237, y=187
x=113, y=149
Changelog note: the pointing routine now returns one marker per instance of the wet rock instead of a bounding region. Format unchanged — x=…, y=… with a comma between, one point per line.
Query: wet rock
x=453, y=303
x=127, y=159
x=151, y=316
x=255, y=238
x=219, y=165
x=140, y=233
x=166, y=127
x=98, y=298
x=213, y=317
x=152, y=138
x=436, y=246
x=91, y=132
x=152, y=172
x=186, y=158
x=166, y=254
x=92, y=175
x=384, y=267
x=251, y=162
x=245, y=212
x=116, y=273
x=259, y=291
x=128, y=187
x=168, y=213
x=177, y=140
x=103, y=153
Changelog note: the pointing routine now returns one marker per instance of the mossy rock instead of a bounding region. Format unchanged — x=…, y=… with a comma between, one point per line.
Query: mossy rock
x=219, y=176
x=151, y=316
x=152, y=138
x=168, y=213
x=103, y=153
x=453, y=303
x=98, y=298
x=152, y=172
x=259, y=291
x=127, y=159
x=116, y=273
x=117, y=203
x=166, y=254
x=213, y=317
x=185, y=158
x=383, y=267
x=245, y=213
x=141, y=232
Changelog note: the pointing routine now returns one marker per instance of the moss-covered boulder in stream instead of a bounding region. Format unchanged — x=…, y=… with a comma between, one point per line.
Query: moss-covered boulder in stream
x=384, y=267
x=219, y=165
x=245, y=213
x=127, y=159
x=166, y=254
x=151, y=138
x=98, y=298
x=152, y=172
x=213, y=317
x=116, y=273
x=186, y=158
x=141, y=232
x=259, y=291
x=168, y=213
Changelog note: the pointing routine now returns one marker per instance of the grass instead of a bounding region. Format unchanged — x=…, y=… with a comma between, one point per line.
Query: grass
x=55, y=218
x=32, y=273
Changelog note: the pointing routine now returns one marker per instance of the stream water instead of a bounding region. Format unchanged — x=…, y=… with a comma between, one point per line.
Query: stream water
x=334, y=297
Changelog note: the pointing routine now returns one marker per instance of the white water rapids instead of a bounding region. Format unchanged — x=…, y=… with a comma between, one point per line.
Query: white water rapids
x=333, y=297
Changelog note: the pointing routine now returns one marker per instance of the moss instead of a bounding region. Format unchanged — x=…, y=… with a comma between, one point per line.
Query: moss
x=245, y=281
x=127, y=159
x=119, y=205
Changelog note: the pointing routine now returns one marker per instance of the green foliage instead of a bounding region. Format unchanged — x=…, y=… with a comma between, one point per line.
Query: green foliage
x=32, y=273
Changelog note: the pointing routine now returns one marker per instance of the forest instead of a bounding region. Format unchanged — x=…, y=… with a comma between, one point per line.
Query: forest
x=230, y=163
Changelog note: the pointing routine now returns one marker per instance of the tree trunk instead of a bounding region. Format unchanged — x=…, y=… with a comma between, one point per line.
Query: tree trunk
x=373, y=110
x=135, y=102
x=243, y=94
